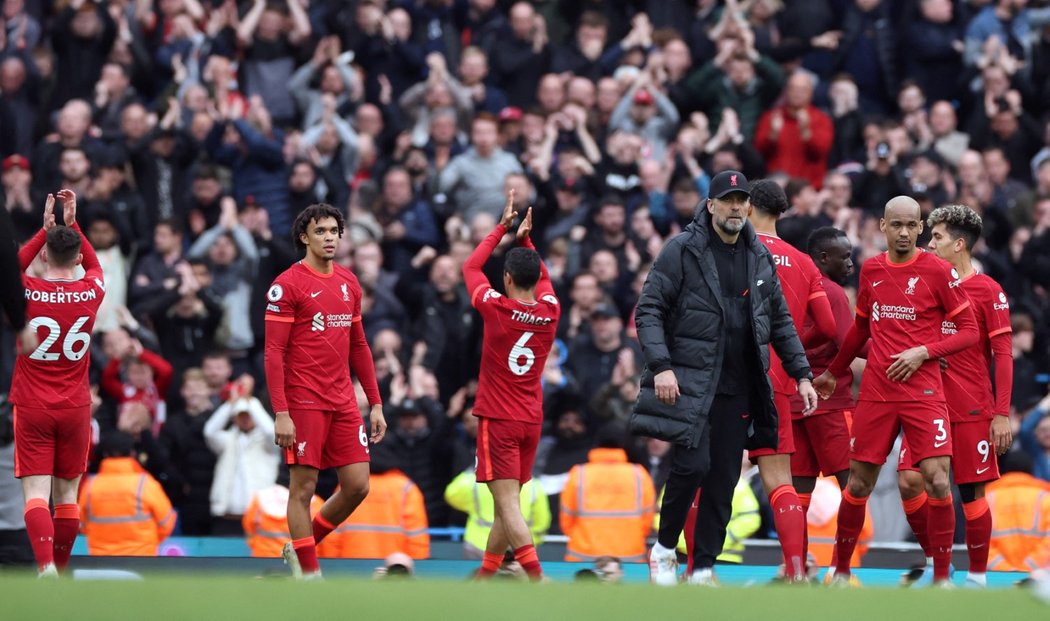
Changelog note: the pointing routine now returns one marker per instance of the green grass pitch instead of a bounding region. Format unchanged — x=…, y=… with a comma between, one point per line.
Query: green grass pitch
x=232, y=598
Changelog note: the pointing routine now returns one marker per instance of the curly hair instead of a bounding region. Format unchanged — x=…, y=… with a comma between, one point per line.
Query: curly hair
x=768, y=197
x=960, y=221
x=316, y=213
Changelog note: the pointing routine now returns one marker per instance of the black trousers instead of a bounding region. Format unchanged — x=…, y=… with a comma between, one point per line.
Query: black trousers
x=713, y=465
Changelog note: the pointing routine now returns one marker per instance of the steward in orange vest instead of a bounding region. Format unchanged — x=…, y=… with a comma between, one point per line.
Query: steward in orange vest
x=124, y=511
x=266, y=520
x=392, y=518
x=607, y=505
x=1020, y=506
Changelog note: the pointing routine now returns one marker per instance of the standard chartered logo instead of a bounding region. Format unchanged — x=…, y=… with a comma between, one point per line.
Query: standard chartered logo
x=318, y=323
x=875, y=311
x=902, y=313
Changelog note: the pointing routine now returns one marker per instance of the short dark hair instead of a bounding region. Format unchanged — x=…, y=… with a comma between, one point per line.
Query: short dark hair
x=794, y=187
x=117, y=444
x=960, y=221
x=63, y=246
x=172, y=224
x=523, y=265
x=768, y=197
x=820, y=239
x=315, y=212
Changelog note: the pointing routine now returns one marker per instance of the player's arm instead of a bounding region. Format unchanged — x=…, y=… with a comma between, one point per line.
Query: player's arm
x=32, y=248
x=278, y=335
x=544, y=285
x=364, y=369
x=823, y=329
x=851, y=347
x=1002, y=355
x=473, y=274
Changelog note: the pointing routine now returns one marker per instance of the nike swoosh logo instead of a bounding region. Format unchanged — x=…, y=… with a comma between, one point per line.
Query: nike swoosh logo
x=760, y=283
x=314, y=295
x=978, y=545
x=982, y=471
x=939, y=444
x=876, y=284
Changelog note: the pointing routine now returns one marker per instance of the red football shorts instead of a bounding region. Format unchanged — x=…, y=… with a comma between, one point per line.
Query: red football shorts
x=876, y=425
x=326, y=439
x=506, y=449
x=52, y=441
x=973, y=454
x=821, y=444
x=785, y=437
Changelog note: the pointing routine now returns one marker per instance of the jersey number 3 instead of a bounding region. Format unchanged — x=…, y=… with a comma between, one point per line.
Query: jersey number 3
x=519, y=351
x=74, y=346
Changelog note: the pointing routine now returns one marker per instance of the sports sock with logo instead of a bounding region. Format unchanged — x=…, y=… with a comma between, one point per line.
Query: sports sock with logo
x=942, y=532
x=41, y=530
x=850, y=523
x=790, y=522
x=917, y=510
x=978, y=534
x=67, y=524
x=805, y=500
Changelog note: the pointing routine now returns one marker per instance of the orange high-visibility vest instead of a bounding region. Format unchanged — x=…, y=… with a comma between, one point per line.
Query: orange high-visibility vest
x=392, y=518
x=124, y=511
x=1020, y=506
x=266, y=520
x=822, y=522
x=607, y=508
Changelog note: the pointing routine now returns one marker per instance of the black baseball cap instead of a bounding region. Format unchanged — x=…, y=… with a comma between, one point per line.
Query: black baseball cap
x=606, y=310
x=727, y=182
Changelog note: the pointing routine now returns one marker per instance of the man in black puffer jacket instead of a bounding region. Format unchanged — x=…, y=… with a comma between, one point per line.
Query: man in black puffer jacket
x=709, y=309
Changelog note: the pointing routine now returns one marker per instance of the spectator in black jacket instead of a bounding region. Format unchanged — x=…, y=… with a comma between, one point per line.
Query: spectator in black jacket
x=934, y=44
x=83, y=37
x=594, y=354
x=185, y=318
x=183, y=437
x=519, y=59
x=155, y=272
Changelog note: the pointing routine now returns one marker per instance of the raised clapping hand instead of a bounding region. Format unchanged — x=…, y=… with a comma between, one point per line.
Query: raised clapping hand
x=825, y=385
x=666, y=385
x=526, y=225
x=69, y=206
x=507, y=219
x=49, y=212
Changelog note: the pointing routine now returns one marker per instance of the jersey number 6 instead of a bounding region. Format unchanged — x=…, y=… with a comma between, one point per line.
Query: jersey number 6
x=73, y=339
x=518, y=352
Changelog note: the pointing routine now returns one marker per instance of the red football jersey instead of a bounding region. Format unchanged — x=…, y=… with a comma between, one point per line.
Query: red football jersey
x=321, y=309
x=820, y=357
x=967, y=380
x=518, y=337
x=905, y=304
x=801, y=282
x=55, y=374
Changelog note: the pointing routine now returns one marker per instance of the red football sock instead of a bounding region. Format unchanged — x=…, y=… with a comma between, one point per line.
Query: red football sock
x=942, y=534
x=917, y=510
x=690, y=533
x=978, y=534
x=526, y=556
x=805, y=500
x=41, y=531
x=790, y=523
x=67, y=525
x=322, y=528
x=850, y=523
x=490, y=564
x=306, y=551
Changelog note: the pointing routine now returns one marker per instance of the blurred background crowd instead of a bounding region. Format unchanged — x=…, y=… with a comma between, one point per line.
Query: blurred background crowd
x=193, y=131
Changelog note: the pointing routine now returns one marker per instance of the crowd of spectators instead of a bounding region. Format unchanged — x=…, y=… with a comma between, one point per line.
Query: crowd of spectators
x=193, y=131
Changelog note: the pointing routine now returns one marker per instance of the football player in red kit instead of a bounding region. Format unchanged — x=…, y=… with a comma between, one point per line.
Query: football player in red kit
x=314, y=338
x=905, y=295
x=49, y=390
x=980, y=423
x=519, y=332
